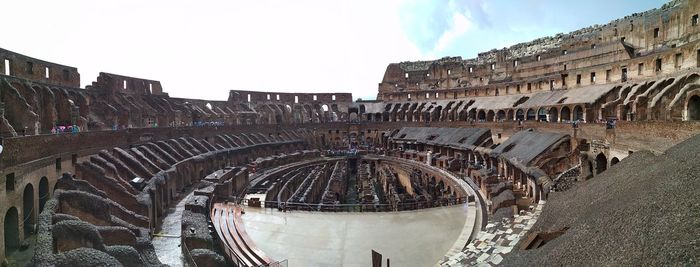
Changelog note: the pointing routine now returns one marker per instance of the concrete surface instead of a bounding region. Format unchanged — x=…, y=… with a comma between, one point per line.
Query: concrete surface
x=167, y=241
x=408, y=238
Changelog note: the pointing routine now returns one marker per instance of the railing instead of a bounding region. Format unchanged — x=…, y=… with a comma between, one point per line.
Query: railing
x=575, y=170
x=236, y=259
x=361, y=207
x=188, y=257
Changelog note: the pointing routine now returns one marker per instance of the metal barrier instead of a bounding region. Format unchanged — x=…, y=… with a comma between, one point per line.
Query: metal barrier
x=186, y=251
x=359, y=207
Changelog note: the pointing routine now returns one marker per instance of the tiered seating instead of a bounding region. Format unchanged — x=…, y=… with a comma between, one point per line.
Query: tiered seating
x=240, y=249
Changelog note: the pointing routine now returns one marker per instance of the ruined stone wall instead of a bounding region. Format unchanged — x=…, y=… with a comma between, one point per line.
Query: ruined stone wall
x=113, y=83
x=18, y=65
x=607, y=50
x=102, y=195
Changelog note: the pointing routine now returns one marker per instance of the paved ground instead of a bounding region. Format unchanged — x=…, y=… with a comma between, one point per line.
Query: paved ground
x=409, y=238
x=167, y=241
x=22, y=257
x=498, y=239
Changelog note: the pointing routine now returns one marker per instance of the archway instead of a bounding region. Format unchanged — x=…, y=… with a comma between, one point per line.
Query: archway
x=553, y=114
x=353, y=116
x=28, y=209
x=490, y=115
x=578, y=113
x=601, y=163
x=500, y=115
x=482, y=115
x=530, y=114
x=542, y=114
x=694, y=108
x=11, y=231
x=510, y=115
x=519, y=115
x=565, y=114
x=614, y=161
x=43, y=192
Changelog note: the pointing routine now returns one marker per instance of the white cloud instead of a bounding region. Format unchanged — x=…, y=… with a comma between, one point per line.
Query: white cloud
x=460, y=26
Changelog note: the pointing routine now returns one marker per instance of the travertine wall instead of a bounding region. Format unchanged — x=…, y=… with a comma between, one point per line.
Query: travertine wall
x=669, y=33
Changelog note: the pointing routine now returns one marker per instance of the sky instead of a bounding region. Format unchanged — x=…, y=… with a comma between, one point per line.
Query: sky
x=202, y=49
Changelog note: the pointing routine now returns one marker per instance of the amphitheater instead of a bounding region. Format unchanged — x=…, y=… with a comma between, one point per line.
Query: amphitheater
x=577, y=149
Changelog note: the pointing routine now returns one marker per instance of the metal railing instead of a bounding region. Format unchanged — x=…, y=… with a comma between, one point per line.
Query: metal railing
x=186, y=251
x=360, y=207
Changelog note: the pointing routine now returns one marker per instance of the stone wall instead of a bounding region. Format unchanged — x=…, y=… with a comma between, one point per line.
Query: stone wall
x=607, y=50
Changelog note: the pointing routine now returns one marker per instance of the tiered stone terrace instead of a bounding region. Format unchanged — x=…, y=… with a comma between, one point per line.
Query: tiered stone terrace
x=89, y=173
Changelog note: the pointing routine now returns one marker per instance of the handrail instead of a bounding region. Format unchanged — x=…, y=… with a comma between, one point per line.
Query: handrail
x=188, y=257
x=388, y=207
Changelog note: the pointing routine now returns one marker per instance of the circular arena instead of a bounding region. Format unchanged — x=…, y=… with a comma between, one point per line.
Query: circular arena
x=574, y=150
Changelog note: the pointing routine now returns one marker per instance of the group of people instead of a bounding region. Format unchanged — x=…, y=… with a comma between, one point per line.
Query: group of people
x=208, y=123
x=65, y=129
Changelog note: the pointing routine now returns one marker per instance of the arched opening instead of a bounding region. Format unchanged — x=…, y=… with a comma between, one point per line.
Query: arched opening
x=694, y=108
x=28, y=209
x=565, y=114
x=614, y=161
x=531, y=114
x=542, y=114
x=553, y=114
x=519, y=115
x=578, y=113
x=43, y=193
x=11, y=231
x=490, y=115
x=482, y=115
x=500, y=115
x=601, y=163
x=438, y=113
x=510, y=115
x=353, y=116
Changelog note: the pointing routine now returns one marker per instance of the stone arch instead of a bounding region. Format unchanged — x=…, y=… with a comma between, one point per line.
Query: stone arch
x=614, y=161
x=490, y=115
x=11, y=227
x=500, y=115
x=437, y=114
x=542, y=114
x=693, y=108
x=44, y=194
x=481, y=115
x=601, y=163
x=510, y=114
x=520, y=115
x=565, y=114
x=578, y=113
x=530, y=115
x=28, y=209
x=472, y=114
x=553, y=114
x=353, y=116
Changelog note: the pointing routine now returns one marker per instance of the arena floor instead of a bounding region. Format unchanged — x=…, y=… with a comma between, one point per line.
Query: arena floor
x=409, y=238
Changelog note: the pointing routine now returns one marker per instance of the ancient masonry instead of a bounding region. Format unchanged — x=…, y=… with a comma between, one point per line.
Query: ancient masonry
x=88, y=174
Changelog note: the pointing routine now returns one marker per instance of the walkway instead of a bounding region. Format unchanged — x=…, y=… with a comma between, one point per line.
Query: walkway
x=167, y=241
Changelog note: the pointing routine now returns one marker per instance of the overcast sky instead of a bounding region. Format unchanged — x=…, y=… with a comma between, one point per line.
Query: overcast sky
x=202, y=49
